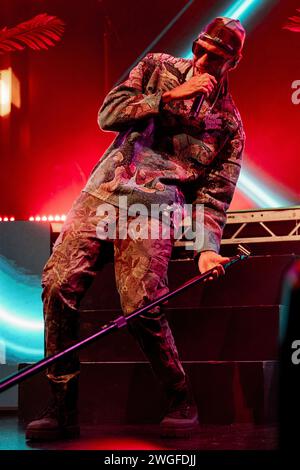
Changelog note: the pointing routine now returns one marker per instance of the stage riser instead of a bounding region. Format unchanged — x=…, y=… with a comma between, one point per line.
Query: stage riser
x=240, y=333
x=129, y=393
x=256, y=281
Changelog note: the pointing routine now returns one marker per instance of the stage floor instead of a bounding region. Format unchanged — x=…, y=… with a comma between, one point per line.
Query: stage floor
x=146, y=437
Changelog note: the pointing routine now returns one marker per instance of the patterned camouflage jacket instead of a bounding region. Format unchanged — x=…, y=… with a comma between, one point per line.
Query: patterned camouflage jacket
x=161, y=155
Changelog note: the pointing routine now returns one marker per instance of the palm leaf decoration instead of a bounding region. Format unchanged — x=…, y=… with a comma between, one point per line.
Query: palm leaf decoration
x=293, y=23
x=40, y=32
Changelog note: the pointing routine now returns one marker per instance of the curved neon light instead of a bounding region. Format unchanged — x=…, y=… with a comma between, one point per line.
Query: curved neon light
x=22, y=349
x=20, y=322
x=21, y=313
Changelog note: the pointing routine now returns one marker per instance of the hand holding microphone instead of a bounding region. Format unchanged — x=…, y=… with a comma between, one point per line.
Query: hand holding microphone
x=198, y=101
x=194, y=87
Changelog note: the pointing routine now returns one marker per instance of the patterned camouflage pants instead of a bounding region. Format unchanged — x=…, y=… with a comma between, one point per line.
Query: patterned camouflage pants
x=141, y=276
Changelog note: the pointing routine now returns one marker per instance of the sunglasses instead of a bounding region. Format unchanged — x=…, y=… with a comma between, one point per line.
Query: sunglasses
x=199, y=51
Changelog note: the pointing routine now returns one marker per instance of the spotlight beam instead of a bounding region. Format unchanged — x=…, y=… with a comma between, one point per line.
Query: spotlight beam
x=260, y=192
x=239, y=9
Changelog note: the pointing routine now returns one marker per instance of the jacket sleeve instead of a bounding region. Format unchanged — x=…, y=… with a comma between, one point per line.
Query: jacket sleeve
x=127, y=102
x=217, y=192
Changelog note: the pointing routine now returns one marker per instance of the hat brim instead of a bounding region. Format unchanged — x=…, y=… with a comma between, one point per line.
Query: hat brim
x=214, y=48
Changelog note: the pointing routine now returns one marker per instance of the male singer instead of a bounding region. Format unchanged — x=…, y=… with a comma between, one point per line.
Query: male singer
x=172, y=147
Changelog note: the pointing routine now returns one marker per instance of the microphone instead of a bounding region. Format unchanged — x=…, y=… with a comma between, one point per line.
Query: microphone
x=196, y=106
x=198, y=102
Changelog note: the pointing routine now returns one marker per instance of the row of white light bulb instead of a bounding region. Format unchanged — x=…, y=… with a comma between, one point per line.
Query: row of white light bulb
x=38, y=218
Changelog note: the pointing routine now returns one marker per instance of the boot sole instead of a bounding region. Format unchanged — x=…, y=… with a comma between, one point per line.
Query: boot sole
x=171, y=432
x=182, y=430
x=52, y=434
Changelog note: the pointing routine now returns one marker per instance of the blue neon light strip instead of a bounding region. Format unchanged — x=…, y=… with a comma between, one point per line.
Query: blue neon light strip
x=242, y=9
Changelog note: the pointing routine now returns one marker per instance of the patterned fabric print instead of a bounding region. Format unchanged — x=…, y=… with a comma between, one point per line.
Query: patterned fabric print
x=141, y=276
x=141, y=267
x=66, y=276
x=159, y=151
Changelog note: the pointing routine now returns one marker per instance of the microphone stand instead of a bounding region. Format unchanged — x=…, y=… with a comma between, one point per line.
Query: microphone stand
x=116, y=324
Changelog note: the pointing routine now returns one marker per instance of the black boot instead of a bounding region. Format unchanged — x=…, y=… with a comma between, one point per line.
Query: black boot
x=59, y=420
x=181, y=417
